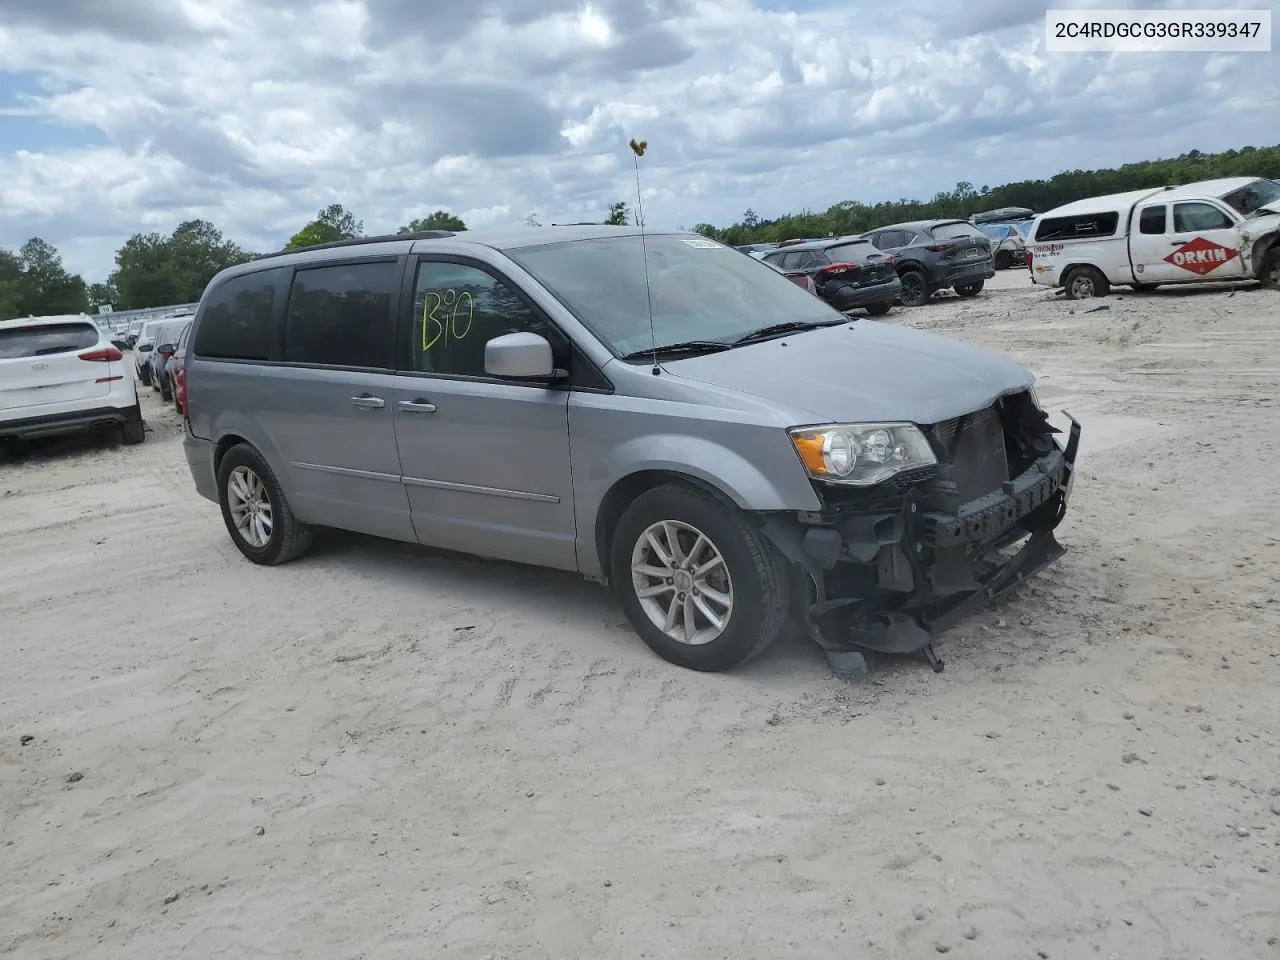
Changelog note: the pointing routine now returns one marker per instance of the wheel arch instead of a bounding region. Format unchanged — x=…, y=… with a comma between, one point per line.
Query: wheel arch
x=626, y=489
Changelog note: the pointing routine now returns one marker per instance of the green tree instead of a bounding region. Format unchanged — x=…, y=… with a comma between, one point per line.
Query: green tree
x=10, y=285
x=332, y=224
x=45, y=286
x=102, y=293
x=440, y=220
x=619, y=215
x=153, y=270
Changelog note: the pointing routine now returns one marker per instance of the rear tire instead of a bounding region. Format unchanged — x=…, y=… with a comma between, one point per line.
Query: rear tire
x=145, y=377
x=1083, y=283
x=970, y=289
x=731, y=612
x=1145, y=287
x=1269, y=275
x=259, y=519
x=133, y=430
x=166, y=392
x=879, y=309
x=915, y=288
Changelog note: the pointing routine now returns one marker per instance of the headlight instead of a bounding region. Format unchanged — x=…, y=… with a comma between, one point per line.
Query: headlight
x=861, y=455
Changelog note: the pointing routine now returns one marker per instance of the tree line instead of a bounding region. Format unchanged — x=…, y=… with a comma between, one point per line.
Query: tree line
x=851, y=217
x=155, y=269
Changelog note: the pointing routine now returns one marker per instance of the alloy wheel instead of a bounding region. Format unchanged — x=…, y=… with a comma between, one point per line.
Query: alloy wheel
x=682, y=582
x=250, y=506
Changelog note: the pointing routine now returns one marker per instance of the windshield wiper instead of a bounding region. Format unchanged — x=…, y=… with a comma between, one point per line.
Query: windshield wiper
x=685, y=346
x=792, y=326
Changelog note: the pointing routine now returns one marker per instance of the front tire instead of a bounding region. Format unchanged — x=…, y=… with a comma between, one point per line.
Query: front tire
x=969, y=289
x=166, y=392
x=1084, y=283
x=258, y=517
x=700, y=584
x=1004, y=260
x=878, y=309
x=145, y=376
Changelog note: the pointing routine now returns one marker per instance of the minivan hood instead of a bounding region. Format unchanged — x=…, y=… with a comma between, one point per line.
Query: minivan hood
x=863, y=371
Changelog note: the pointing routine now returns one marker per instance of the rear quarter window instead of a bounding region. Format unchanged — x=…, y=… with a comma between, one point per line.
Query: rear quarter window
x=1082, y=226
x=45, y=341
x=238, y=321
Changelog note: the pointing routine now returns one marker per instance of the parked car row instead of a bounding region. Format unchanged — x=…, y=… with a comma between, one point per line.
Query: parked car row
x=903, y=262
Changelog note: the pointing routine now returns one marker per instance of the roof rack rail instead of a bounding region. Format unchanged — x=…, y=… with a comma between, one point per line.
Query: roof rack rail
x=358, y=241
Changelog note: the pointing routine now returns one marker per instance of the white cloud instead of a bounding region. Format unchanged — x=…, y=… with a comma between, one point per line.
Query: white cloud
x=256, y=113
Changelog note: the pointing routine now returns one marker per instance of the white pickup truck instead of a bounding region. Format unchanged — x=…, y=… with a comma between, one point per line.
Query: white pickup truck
x=1204, y=232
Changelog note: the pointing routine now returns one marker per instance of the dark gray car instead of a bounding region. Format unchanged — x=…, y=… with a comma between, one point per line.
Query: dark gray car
x=933, y=255
x=667, y=416
x=847, y=272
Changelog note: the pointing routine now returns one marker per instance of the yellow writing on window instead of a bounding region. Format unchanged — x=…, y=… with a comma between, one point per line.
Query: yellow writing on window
x=446, y=316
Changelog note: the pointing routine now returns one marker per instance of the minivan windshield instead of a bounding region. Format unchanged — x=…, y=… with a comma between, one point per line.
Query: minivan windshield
x=701, y=290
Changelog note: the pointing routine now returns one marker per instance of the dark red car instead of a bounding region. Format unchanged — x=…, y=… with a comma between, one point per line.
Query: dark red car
x=176, y=371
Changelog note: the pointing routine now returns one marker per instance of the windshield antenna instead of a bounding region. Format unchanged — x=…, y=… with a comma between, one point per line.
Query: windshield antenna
x=638, y=148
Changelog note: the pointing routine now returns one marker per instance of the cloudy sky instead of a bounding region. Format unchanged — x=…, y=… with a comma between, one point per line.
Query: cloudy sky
x=125, y=116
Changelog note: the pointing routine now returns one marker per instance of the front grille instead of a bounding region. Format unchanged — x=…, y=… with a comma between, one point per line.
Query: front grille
x=973, y=447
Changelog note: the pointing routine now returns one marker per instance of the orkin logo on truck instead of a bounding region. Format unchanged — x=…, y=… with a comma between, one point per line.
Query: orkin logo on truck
x=1045, y=249
x=1201, y=256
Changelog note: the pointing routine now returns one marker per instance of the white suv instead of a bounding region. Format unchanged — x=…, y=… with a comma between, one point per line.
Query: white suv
x=61, y=375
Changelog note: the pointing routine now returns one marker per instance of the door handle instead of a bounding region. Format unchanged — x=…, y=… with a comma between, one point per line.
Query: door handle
x=368, y=402
x=417, y=406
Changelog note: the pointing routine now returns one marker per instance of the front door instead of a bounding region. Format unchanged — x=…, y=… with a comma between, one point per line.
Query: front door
x=485, y=461
x=329, y=408
x=1185, y=242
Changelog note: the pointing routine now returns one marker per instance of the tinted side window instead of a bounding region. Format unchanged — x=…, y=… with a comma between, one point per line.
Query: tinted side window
x=237, y=320
x=1152, y=220
x=341, y=315
x=1079, y=227
x=457, y=309
x=1189, y=217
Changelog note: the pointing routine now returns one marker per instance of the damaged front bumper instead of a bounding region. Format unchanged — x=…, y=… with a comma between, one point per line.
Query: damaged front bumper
x=892, y=577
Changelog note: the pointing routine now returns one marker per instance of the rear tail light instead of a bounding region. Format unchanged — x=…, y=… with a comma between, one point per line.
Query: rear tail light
x=840, y=268
x=105, y=355
x=939, y=247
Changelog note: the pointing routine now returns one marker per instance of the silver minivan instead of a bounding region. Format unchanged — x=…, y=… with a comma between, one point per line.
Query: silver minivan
x=656, y=412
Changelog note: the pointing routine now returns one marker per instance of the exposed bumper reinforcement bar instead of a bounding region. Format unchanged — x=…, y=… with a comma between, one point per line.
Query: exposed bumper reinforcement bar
x=902, y=632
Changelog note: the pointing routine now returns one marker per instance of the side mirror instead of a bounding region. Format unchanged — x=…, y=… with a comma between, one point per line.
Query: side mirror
x=520, y=356
x=120, y=345
x=145, y=348
x=165, y=349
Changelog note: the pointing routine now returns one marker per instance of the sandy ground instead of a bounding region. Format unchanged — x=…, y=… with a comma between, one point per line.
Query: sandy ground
x=382, y=753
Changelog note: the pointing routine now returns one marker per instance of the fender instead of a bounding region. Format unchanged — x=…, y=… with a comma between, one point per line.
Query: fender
x=637, y=464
